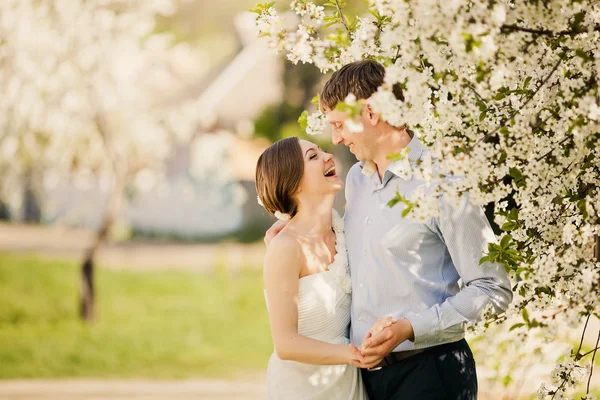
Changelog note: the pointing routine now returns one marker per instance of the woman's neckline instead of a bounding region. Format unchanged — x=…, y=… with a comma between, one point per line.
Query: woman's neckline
x=338, y=242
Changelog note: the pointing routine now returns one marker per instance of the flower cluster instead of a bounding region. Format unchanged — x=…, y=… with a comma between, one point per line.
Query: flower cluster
x=315, y=123
x=339, y=267
x=505, y=95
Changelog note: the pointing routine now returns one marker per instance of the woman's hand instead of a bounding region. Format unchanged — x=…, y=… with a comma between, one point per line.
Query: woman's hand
x=381, y=324
x=273, y=231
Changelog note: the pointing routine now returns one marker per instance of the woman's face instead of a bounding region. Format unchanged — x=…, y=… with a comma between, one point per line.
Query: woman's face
x=320, y=175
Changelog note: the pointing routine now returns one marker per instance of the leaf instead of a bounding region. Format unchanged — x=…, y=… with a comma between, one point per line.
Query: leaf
x=509, y=226
x=515, y=326
x=395, y=200
x=303, y=120
x=407, y=210
x=526, y=83
x=482, y=115
x=260, y=8
x=577, y=23
x=581, y=206
x=375, y=14
x=394, y=157
x=525, y=315
x=505, y=242
x=512, y=252
x=515, y=173
x=583, y=54
x=398, y=156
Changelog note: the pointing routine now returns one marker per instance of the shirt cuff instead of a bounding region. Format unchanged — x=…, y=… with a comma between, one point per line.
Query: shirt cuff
x=425, y=327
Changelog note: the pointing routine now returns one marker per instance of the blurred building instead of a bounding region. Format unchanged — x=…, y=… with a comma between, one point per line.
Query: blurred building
x=190, y=204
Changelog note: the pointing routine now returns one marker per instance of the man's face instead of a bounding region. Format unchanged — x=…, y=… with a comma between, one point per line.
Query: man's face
x=361, y=144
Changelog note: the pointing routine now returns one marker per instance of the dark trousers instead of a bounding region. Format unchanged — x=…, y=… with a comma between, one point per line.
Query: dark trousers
x=444, y=372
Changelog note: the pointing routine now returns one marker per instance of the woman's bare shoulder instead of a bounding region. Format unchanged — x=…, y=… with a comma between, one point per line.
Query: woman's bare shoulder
x=285, y=250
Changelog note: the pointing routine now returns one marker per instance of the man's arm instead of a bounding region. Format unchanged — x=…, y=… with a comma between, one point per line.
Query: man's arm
x=466, y=232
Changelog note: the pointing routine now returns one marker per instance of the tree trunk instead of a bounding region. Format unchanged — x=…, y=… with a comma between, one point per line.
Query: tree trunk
x=597, y=248
x=87, y=268
x=31, y=209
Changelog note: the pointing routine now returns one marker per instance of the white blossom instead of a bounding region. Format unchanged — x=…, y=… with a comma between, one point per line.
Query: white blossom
x=316, y=123
x=514, y=114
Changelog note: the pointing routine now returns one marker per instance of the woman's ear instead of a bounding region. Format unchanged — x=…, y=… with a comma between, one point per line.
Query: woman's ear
x=371, y=115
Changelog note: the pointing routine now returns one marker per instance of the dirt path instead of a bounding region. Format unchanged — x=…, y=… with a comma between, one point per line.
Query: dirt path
x=93, y=389
x=63, y=243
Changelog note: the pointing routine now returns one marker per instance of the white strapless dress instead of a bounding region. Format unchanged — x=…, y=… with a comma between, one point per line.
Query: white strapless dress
x=323, y=314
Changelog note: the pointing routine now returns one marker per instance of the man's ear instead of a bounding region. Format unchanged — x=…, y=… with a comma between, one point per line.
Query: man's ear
x=371, y=115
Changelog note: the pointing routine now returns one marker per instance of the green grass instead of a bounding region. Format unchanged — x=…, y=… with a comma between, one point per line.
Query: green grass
x=163, y=324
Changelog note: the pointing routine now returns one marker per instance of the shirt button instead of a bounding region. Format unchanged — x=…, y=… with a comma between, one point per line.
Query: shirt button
x=361, y=285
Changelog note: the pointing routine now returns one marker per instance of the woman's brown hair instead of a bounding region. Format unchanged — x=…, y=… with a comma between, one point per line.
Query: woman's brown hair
x=278, y=173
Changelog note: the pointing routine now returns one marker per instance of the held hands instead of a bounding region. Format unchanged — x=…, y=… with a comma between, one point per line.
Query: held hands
x=273, y=231
x=381, y=339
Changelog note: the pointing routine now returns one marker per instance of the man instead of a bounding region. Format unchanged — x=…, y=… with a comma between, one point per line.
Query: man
x=404, y=269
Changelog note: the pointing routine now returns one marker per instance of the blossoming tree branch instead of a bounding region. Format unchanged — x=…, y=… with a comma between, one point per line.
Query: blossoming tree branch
x=508, y=92
x=86, y=89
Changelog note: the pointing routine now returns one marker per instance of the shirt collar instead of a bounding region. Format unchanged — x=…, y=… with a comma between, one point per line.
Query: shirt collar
x=415, y=150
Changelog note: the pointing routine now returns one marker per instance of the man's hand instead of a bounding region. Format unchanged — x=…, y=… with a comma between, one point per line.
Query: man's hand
x=361, y=361
x=273, y=231
x=382, y=343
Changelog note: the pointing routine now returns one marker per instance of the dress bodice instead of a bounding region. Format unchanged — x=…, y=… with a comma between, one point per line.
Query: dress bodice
x=323, y=308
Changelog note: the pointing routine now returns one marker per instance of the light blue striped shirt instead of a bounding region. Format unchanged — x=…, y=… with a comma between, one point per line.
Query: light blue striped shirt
x=427, y=272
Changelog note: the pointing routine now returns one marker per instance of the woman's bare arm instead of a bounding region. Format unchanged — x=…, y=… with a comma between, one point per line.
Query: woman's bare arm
x=283, y=264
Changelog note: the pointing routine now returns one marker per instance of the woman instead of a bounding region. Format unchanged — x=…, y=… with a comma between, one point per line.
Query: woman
x=307, y=283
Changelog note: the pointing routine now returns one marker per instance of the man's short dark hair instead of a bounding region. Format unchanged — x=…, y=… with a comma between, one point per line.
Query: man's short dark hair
x=361, y=78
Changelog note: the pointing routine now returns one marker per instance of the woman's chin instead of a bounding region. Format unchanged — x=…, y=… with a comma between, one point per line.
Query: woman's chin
x=337, y=183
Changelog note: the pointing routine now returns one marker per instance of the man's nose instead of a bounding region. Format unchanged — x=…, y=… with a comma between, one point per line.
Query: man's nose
x=336, y=138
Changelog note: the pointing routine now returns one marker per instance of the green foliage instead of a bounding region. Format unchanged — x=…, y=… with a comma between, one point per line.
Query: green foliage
x=167, y=324
x=380, y=20
x=278, y=121
x=261, y=8
x=518, y=177
x=512, y=222
x=398, y=198
x=303, y=120
x=505, y=253
x=353, y=110
x=337, y=17
x=399, y=156
x=470, y=42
